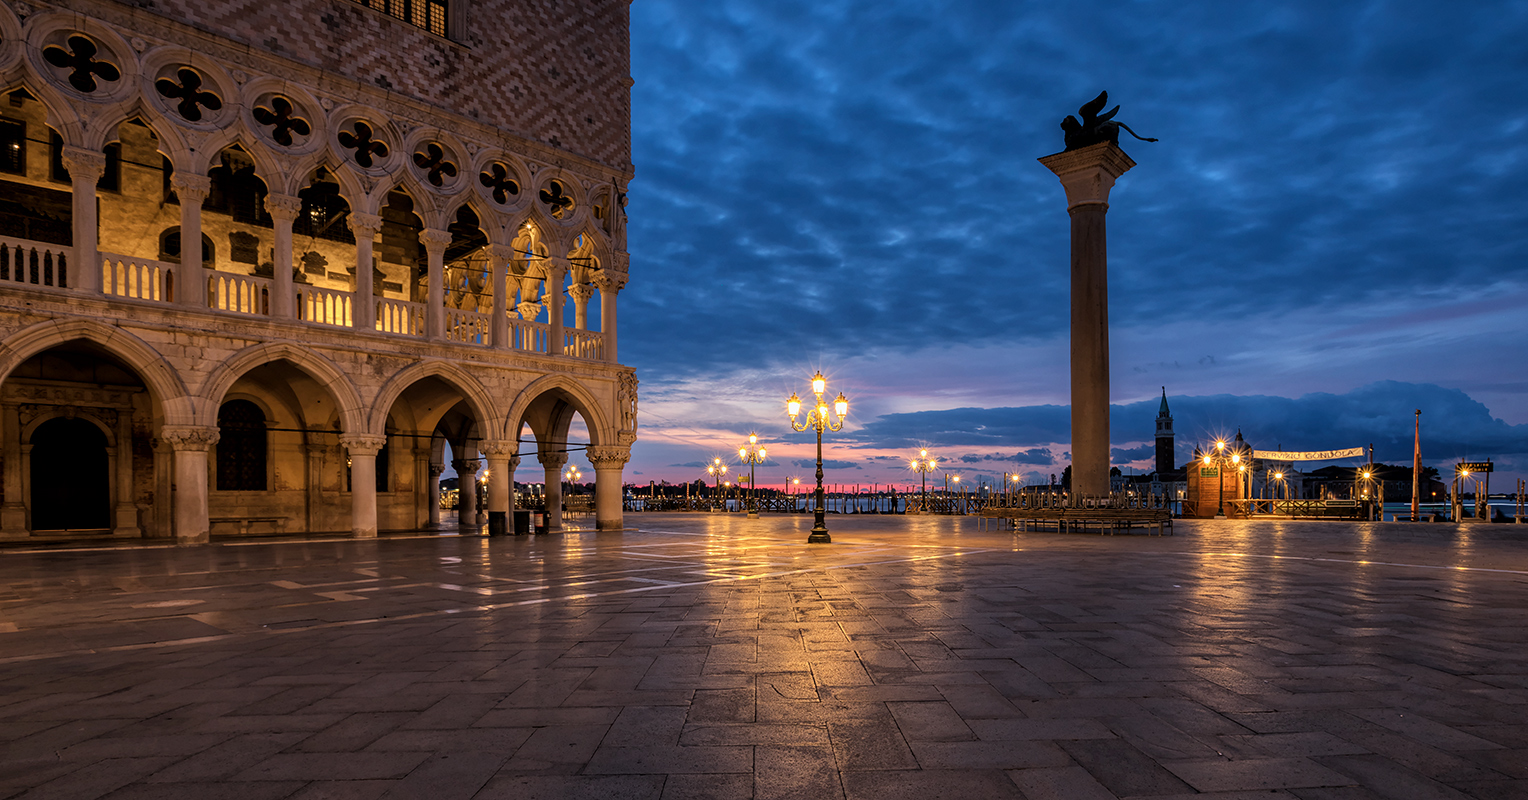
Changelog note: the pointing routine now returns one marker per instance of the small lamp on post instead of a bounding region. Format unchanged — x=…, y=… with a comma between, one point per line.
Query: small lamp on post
x=818, y=419
x=751, y=454
x=716, y=469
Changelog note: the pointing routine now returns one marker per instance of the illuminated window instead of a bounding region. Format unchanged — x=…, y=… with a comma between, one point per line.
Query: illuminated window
x=13, y=146
x=430, y=15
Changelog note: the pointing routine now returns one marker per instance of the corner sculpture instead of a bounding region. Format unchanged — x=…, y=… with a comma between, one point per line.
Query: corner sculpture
x=1095, y=129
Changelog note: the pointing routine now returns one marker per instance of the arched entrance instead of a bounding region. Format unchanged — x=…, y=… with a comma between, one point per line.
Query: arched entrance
x=70, y=476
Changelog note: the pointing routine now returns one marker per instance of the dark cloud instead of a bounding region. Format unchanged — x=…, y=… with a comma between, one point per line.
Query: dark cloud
x=827, y=463
x=1120, y=455
x=1034, y=455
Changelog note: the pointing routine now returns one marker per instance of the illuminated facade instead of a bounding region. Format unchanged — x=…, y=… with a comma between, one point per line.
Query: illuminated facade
x=402, y=221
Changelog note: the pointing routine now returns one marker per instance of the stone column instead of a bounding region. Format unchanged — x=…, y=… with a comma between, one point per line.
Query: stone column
x=314, y=455
x=362, y=449
x=1087, y=174
x=509, y=480
x=499, y=256
x=365, y=227
x=434, y=491
x=557, y=271
x=610, y=284
x=581, y=293
x=435, y=242
x=85, y=170
x=13, y=515
x=466, y=491
x=126, y=523
x=551, y=464
x=498, y=454
x=191, y=286
x=190, y=443
x=608, y=463
x=283, y=210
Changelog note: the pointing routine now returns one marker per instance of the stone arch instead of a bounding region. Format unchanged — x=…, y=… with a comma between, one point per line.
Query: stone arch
x=58, y=411
x=172, y=145
x=60, y=114
x=490, y=221
x=161, y=378
x=350, y=188
x=549, y=230
x=600, y=432
x=266, y=162
x=477, y=397
x=426, y=202
x=351, y=410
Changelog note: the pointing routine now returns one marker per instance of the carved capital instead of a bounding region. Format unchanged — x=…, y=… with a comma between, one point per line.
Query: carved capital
x=364, y=226
x=497, y=448
x=609, y=457
x=556, y=265
x=84, y=164
x=436, y=470
x=529, y=311
x=362, y=444
x=610, y=281
x=193, y=438
x=191, y=188
x=580, y=292
x=501, y=254
x=466, y=466
x=283, y=207
x=435, y=241
x=514, y=463
x=552, y=461
x=1087, y=174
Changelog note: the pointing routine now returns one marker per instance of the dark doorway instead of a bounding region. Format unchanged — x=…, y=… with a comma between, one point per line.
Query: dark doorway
x=71, y=487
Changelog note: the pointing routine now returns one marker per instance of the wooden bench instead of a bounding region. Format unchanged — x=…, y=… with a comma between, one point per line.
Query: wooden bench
x=245, y=522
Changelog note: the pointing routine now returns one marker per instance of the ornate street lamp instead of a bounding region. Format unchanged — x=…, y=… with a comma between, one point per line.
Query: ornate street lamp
x=572, y=476
x=751, y=454
x=717, y=469
x=1219, y=458
x=923, y=464
x=819, y=419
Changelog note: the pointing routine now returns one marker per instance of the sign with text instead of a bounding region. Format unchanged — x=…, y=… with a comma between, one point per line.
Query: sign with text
x=1308, y=455
x=1473, y=467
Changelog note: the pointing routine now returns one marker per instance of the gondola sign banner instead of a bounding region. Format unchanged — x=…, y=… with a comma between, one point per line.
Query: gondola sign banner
x=1309, y=455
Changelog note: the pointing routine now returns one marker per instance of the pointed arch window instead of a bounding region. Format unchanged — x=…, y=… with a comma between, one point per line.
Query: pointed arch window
x=241, y=447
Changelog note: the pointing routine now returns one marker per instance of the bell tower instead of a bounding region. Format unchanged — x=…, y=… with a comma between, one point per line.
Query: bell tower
x=1164, y=437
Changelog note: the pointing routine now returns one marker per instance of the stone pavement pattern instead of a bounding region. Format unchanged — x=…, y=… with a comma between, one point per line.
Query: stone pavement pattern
x=718, y=657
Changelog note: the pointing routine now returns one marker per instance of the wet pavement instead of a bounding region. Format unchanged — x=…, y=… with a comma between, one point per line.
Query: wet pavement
x=714, y=656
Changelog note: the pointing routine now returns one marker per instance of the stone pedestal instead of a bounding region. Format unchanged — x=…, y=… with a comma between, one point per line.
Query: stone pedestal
x=1087, y=175
x=551, y=466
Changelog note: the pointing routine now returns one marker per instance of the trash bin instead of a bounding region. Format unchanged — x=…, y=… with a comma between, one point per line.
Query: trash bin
x=540, y=522
x=522, y=521
x=498, y=523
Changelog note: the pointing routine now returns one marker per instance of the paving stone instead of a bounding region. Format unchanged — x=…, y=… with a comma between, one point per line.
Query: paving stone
x=929, y=785
x=1255, y=774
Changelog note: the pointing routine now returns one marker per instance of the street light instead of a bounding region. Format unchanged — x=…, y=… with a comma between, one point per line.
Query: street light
x=751, y=454
x=717, y=469
x=923, y=464
x=1218, y=458
x=819, y=419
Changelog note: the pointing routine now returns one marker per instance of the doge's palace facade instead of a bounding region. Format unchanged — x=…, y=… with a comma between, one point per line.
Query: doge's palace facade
x=404, y=211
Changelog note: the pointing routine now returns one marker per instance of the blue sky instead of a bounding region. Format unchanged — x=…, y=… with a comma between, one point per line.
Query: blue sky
x=1330, y=233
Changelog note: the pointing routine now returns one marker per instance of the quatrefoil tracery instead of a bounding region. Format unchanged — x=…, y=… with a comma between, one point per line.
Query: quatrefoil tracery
x=433, y=162
x=189, y=92
x=80, y=59
x=498, y=180
x=281, y=118
x=556, y=199
x=364, y=145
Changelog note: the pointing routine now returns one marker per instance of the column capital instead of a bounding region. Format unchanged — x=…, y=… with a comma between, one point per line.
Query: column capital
x=193, y=438
x=191, y=188
x=466, y=465
x=83, y=164
x=552, y=461
x=363, y=444
x=435, y=470
x=1087, y=174
x=529, y=311
x=514, y=462
x=501, y=254
x=435, y=241
x=606, y=457
x=498, y=447
x=581, y=292
x=283, y=207
x=610, y=281
x=556, y=264
x=364, y=226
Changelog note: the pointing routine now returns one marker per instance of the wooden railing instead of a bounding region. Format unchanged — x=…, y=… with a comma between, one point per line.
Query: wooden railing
x=400, y=317
x=532, y=337
x=138, y=278
x=241, y=294
x=35, y=263
x=323, y=306
x=587, y=345
x=467, y=327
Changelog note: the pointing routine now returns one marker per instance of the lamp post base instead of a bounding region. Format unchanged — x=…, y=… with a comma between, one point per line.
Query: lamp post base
x=753, y=515
x=819, y=536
